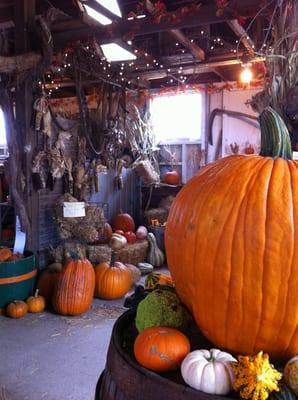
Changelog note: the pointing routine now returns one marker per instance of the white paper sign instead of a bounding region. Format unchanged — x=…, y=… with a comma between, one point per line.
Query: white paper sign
x=74, y=209
x=20, y=238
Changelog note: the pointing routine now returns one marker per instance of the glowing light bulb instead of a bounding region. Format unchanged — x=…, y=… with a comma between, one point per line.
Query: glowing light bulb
x=246, y=75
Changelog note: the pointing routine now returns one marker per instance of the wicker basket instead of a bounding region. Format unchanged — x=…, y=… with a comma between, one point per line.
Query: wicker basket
x=156, y=213
x=147, y=172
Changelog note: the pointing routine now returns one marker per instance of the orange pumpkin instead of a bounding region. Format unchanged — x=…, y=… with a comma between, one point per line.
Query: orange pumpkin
x=172, y=178
x=36, y=303
x=73, y=292
x=16, y=309
x=124, y=222
x=232, y=248
x=5, y=254
x=249, y=149
x=15, y=257
x=46, y=284
x=113, y=280
x=161, y=349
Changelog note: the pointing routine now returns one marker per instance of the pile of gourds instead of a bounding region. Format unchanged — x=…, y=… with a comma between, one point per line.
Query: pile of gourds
x=162, y=346
x=6, y=255
x=231, y=242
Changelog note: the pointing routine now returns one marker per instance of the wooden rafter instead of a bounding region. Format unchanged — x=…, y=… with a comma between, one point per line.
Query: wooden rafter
x=242, y=35
x=195, y=50
x=191, y=69
x=20, y=63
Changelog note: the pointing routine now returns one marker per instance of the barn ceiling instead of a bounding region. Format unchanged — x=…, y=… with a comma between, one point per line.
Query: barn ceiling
x=178, y=41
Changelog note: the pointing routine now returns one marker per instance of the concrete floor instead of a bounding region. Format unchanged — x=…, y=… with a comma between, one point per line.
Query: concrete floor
x=51, y=357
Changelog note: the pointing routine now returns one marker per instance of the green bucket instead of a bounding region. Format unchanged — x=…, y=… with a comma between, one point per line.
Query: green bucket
x=17, y=279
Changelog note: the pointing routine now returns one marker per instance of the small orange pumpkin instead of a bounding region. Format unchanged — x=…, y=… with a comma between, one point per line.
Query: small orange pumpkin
x=5, y=254
x=172, y=178
x=249, y=149
x=15, y=257
x=112, y=280
x=161, y=349
x=36, y=303
x=16, y=309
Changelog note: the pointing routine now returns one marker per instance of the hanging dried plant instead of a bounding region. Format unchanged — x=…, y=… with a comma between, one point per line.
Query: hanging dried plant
x=281, y=61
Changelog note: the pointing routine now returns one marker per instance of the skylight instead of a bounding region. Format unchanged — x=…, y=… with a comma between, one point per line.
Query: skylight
x=114, y=52
x=102, y=19
x=111, y=5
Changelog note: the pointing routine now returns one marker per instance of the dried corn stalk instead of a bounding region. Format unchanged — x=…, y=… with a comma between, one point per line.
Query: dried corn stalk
x=281, y=60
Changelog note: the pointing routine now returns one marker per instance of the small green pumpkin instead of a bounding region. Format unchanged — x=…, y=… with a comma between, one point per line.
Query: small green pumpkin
x=145, y=268
x=155, y=256
x=285, y=393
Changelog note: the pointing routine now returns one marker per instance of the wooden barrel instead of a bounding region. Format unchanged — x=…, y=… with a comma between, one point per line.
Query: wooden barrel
x=17, y=279
x=124, y=379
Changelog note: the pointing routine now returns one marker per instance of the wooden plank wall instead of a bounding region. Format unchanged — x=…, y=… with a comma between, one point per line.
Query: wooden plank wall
x=116, y=200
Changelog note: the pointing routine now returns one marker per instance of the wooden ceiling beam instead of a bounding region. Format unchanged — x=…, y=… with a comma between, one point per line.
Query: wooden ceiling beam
x=191, y=69
x=195, y=50
x=204, y=16
x=242, y=35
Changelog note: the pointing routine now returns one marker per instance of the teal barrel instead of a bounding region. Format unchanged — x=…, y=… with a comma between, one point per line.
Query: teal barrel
x=17, y=279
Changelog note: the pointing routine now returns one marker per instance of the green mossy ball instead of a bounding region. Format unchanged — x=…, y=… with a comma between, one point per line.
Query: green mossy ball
x=161, y=308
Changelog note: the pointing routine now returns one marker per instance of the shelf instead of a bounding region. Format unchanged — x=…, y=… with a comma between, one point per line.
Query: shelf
x=172, y=164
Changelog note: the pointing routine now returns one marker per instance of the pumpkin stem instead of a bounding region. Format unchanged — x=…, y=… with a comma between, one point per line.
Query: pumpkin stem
x=36, y=293
x=113, y=258
x=275, y=138
x=74, y=255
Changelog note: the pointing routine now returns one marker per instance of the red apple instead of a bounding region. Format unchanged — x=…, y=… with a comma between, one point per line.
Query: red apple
x=130, y=237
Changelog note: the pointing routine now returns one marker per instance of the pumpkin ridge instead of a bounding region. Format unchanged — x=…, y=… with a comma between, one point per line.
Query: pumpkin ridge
x=293, y=167
x=283, y=293
x=234, y=270
x=266, y=275
x=249, y=275
x=193, y=257
x=259, y=324
x=228, y=183
x=176, y=216
x=220, y=307
x=205, y=199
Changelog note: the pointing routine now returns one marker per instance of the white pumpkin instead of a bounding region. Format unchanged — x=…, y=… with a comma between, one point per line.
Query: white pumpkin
x=209, y=371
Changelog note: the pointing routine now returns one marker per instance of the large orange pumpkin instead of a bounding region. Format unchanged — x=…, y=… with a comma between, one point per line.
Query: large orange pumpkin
x=232, y=248
x=161, y=349
x=113, y=280
x=73, y=293
x=124, y=222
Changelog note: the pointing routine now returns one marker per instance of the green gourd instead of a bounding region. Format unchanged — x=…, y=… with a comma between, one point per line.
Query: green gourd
x=284, y=393
x=155, y=256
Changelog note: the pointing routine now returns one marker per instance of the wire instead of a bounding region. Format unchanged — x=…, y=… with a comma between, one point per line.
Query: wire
x=250, y=25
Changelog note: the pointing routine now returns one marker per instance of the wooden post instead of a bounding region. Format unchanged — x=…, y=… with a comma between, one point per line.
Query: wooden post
x=26, y=137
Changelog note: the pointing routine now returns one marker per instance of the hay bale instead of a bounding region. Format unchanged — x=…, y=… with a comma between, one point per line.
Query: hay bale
x=63, y=252
x=133, y=253
x=87, y=228
x=99, y=253
x=85, y=232
x=156, y=213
